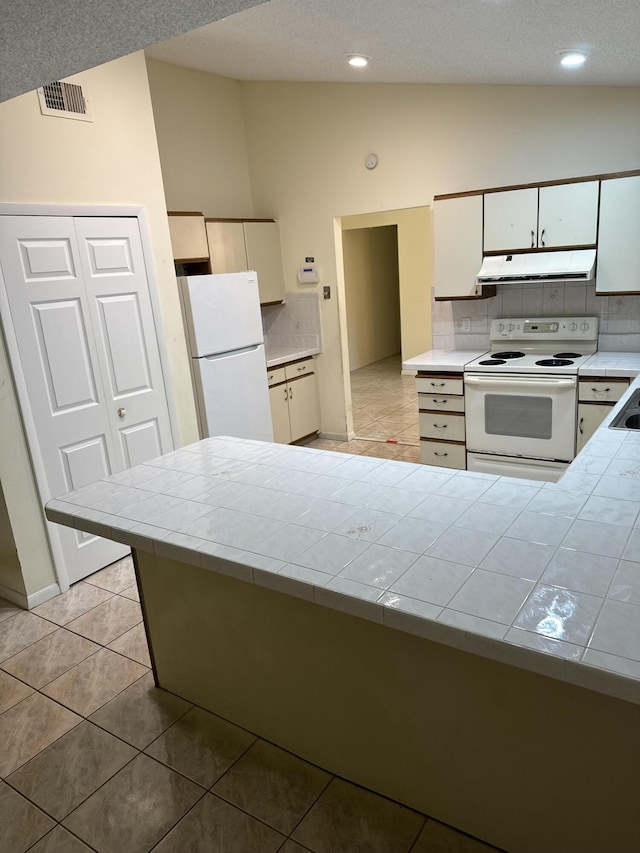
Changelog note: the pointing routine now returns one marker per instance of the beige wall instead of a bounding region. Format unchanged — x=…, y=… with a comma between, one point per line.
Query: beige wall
x=110, y=161
x=201, y=139
x=372, y=294
x=10, y=573
x=307, y=144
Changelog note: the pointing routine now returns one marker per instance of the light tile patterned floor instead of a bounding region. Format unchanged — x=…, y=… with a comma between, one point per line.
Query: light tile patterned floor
x=385, y=413
x=94, y=757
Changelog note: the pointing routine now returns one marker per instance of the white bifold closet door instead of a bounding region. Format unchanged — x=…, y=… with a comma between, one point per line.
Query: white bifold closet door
x=81, y=313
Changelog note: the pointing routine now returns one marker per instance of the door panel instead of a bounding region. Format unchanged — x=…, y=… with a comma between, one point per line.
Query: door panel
x=125, y=349
x=119, y=304
x=64, y=355
x=140, y=442
x=50, y=317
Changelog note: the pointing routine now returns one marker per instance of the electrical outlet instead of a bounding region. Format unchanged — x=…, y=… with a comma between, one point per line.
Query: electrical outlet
x=464, y=324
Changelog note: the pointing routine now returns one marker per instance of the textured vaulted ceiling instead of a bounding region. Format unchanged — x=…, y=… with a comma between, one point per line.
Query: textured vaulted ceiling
x=419, y=41
x=45, y=40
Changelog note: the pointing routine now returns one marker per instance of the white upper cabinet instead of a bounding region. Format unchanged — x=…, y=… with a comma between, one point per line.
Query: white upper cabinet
x=511, y=219
x=618, y=267
x=188, y=236
x=457, y=246
x=262, y=240
x=539, y=218
x=240, y=245
x=568, y=215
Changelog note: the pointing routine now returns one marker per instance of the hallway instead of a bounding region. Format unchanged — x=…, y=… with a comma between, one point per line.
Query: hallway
x=385, y=413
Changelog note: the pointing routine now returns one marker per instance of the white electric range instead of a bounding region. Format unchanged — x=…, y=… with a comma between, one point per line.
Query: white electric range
x=521, y=397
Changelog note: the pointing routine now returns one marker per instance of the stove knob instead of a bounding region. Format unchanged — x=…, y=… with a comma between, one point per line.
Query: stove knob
x=553, y=327
x=501, y=327
x=573, y=326
x=510, y=327
x=584, y=327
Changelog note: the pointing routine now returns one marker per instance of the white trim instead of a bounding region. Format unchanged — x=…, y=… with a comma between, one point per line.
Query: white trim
x=76, y=210
x=17, y=598
x=42, y=595
x=336, y=436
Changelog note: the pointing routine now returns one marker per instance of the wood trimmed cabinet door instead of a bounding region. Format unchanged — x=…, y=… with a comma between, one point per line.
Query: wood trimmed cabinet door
x=80, y=307
x=618, y=269
x=457, y=247
x=238, y=245
x=295, y=408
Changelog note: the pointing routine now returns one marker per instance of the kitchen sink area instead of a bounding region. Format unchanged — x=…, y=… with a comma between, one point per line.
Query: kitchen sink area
x=629, y=416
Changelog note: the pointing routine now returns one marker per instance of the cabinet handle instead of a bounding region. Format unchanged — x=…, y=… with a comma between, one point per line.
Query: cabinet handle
x=440, y=402
x=286, y=393
x=601, y=390
x=542, y=243
x=435, y=453
x=440, y=426
x=533, y=239
x=301, y=369
x=580, y=422
x=290, y=392
x=437, y=384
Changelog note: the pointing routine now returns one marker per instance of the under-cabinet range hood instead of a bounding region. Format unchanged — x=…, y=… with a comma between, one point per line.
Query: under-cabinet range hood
x=577, y=265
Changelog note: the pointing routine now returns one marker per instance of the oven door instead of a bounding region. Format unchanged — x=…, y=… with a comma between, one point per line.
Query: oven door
x=519, y=415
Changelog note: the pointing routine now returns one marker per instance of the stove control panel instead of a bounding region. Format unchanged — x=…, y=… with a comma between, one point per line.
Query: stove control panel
x=546, y=328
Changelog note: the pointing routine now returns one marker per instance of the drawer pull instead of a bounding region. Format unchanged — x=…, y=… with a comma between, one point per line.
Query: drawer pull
x=437, y=384
x=601, y=390
x=439, y=426
x=440, y=402
x=302, y=369
x=580, y=422
x=435, y=453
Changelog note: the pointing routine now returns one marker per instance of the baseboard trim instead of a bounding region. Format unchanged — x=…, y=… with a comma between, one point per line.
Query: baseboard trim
x=17, y=598
x=42, y=595
x=407, y=372
x=335, y=436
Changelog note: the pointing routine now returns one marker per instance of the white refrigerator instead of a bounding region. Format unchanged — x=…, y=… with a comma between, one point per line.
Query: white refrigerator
x=226, y=344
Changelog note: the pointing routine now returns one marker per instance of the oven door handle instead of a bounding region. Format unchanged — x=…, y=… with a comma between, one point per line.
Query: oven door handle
x=513, y=382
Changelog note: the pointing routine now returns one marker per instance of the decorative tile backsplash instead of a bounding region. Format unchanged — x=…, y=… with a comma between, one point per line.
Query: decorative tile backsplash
x=619, y=326
x=294, y=323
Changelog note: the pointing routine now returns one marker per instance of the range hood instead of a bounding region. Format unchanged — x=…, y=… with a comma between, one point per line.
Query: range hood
x=577, y=265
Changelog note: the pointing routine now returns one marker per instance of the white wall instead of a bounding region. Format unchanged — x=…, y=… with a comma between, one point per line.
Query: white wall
x=110, y=161
x=201, y=139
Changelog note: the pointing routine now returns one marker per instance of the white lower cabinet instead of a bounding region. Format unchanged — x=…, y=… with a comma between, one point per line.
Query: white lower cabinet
x=293, y=392
x=441, y=419
x=596, y=398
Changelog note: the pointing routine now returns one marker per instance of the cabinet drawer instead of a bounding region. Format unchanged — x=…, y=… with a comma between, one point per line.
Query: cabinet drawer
x=435, y=425
x=601, y=390
x=437, y=403
x=439, y=384
x=298, y=368
x=276, y=375
x=443, y=454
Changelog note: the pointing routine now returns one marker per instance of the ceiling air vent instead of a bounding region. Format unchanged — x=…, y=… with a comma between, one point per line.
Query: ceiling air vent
x=64, y=100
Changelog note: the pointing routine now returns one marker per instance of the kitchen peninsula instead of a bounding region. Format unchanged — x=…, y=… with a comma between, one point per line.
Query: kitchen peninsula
x=467, y=644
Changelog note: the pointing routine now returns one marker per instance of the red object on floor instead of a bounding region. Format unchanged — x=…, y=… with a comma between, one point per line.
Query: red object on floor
x=391, y=441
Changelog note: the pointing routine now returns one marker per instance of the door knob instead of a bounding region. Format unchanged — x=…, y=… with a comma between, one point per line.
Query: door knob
x=122, y=412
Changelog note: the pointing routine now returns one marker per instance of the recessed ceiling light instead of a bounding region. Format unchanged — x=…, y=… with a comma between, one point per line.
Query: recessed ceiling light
x=572, y=58
x=358, y=60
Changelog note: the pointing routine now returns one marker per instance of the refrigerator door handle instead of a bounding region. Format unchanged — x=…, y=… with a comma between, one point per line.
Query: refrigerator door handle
x=231, y=353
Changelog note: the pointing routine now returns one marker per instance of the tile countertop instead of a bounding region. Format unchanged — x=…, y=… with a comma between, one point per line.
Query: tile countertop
x=440, y=359
x=281, y=355
x=612, y=364
x=542, y=576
